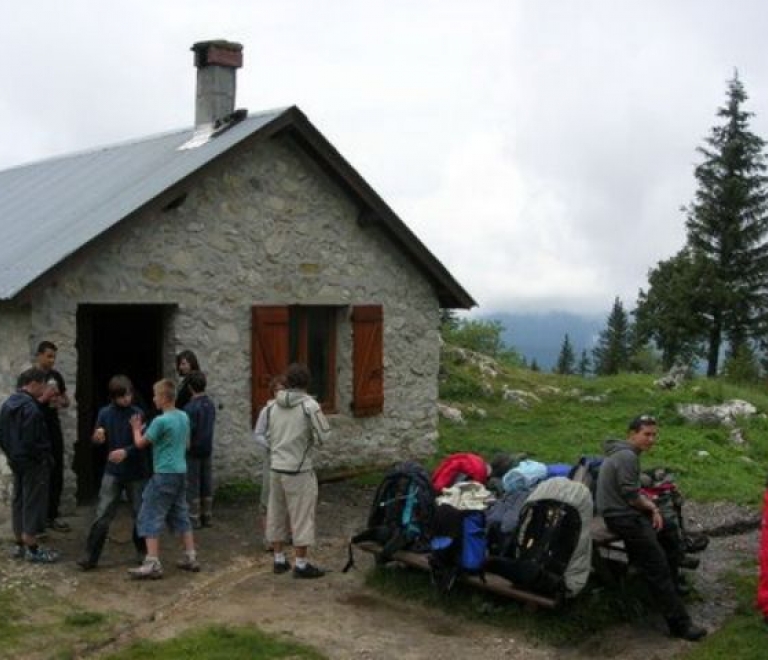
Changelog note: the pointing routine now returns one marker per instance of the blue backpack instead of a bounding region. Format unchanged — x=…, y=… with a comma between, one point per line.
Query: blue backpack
x=458, y=546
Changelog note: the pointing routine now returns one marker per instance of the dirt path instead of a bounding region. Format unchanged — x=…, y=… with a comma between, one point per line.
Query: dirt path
x=338, y=614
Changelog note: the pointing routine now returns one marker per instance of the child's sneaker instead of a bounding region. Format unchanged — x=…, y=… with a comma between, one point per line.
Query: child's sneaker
x=151, y=569
x=41, y=555
x=188, y=564
x=309, y=571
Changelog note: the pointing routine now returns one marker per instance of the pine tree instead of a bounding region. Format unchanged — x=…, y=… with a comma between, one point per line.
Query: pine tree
x=727, y=225
x=584, y=364
x=535, y=365
x=566, y=361
x=611, y=354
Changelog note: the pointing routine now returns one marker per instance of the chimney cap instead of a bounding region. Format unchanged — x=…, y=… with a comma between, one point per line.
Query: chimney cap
x=218, y=52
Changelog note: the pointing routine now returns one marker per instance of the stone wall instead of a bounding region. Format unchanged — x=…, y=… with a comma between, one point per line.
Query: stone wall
x=264, y=226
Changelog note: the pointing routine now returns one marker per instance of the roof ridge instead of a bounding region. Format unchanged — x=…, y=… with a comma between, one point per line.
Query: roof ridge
x=129, y=142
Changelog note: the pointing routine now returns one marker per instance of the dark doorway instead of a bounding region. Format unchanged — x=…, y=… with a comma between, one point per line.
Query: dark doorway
x=112, y=339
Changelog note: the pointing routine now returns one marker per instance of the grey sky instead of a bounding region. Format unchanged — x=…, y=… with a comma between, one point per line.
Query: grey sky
x=540, y=148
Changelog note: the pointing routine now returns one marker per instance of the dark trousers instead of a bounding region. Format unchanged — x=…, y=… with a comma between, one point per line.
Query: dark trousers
x=109, y=498
x=645, y=550
x=57, y=471
x=30, y=493
x=200, y=489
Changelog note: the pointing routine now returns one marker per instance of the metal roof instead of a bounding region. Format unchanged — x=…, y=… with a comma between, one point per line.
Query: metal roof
x=52, y=208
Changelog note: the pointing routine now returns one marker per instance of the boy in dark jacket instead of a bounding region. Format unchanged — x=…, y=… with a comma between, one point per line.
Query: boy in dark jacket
x=202, y=415
x=126, y=469
x=24, y=440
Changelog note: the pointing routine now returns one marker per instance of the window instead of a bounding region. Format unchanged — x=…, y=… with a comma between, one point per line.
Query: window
x=307, y=334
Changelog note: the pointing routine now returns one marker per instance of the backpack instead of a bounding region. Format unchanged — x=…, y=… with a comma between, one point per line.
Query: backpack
x=525, y=474
x=458, y=545
x=459, y=467
x=551, y=553
x=501, y=520
x=400, y=517
x=586, y=472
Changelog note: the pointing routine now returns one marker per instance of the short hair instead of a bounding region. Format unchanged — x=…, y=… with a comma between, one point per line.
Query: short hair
x=197, y=381
x=118, y=386
x=191, y=359
x=276, y=381
x=166, y=388
x=44, y=346
x=297, y=376
x=640, y=421
x=31, y=375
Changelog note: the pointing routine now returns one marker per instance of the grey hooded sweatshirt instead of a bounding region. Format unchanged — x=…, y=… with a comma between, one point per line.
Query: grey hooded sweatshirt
x=295, y=426
x=618, y=483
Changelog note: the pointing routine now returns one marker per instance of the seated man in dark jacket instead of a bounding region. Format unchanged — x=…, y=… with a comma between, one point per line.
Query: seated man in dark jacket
x=636, y=519
x=24, y=440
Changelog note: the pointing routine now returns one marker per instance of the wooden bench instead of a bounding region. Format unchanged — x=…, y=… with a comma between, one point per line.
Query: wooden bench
x=492, y=583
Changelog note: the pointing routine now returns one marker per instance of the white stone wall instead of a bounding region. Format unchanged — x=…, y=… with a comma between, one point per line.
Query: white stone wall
x=265, y=226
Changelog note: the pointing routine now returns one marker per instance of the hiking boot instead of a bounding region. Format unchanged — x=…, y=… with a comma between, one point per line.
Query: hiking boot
x=188, y=564
x=280, y=567
x=688, y=631
x=86, y=563
x=691, y=563
x=58, y=525
x=17, y=551
x=149, y=570
x=41, y=555
x=309, y=571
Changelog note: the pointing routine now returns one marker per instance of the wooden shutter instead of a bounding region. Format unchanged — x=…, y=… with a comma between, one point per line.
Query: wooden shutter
x=368, y=360
x=269, y=352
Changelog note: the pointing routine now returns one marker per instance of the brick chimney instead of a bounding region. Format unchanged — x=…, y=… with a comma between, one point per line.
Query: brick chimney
x=217, y=63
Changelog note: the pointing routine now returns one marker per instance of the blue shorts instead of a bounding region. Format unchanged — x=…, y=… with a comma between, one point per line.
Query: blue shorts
x=164, y=502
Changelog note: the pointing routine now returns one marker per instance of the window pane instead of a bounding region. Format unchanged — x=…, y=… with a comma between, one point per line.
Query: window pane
x=318, y=342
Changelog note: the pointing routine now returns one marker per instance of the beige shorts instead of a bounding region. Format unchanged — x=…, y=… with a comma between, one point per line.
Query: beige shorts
x=292, y=496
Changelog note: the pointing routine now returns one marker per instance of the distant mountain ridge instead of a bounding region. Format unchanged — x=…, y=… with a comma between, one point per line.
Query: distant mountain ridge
x=540, y=336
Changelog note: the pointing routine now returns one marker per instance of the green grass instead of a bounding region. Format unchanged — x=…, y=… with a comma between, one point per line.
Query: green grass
x=593, y=611
x=744, y=636
x=560, y=426
x=218, y=643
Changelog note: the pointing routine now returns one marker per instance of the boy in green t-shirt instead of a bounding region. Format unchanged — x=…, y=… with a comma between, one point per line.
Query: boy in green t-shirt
x=164, y=500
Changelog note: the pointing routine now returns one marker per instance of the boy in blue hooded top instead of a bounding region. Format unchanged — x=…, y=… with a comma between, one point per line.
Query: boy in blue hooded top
x=126, y=469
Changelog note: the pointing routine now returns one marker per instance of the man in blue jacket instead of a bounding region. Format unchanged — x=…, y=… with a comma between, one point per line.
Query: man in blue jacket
x=24, y=440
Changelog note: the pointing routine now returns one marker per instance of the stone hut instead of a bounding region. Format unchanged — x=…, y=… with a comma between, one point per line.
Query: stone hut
x=248, y=239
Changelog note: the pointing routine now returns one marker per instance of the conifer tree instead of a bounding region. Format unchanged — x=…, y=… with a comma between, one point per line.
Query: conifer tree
x=566, y=361
x=535, y=365
x=727, y=225
x=611, y=354
x=584, y=364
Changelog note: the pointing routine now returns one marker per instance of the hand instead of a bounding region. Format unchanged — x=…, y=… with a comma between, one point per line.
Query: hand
x=117, y=455
x=99, y=436
x=137, y=422
x=656, y=519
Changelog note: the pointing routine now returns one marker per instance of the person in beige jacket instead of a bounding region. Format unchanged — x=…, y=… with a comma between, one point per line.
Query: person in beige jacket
x=295, y=426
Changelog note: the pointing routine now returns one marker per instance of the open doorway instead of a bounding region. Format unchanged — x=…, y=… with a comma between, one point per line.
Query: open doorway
x=113, y=339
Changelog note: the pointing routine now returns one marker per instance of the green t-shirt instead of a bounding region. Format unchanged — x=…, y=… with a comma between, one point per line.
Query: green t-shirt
x=169, y=435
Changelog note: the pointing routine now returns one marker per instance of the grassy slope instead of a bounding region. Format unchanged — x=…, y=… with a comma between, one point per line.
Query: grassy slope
x=560, y=426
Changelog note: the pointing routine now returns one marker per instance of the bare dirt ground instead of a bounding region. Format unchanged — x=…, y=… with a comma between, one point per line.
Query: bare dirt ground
x=338, y=615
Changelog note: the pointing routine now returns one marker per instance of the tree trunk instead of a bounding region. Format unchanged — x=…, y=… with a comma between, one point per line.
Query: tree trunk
x=715, y=339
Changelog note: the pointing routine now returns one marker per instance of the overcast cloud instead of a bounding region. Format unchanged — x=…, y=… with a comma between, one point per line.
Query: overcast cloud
x=540, y=148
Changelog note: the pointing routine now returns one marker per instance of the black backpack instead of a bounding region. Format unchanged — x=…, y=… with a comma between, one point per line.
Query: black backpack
x=546, y=538
x=458, y=546
x=401, y=513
